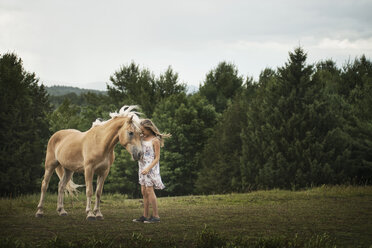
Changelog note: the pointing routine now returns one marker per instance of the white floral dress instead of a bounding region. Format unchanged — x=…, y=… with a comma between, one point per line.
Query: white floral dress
x=153, y=177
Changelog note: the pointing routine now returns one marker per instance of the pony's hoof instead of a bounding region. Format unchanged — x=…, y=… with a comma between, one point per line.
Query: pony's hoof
x=91, y=218
x=62, y=213
x=99, y=217
x=39, y=215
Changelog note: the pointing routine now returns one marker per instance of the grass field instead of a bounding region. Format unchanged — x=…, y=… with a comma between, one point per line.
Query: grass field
x=318, y=217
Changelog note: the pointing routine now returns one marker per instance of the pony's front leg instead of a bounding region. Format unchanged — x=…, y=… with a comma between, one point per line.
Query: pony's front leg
x=88, y=174
x=61, y=191
x=100, y=182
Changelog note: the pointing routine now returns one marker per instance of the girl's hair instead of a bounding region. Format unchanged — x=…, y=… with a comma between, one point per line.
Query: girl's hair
x=149, y=125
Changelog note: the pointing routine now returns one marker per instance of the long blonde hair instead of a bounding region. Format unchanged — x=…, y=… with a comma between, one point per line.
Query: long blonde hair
x=149, y=125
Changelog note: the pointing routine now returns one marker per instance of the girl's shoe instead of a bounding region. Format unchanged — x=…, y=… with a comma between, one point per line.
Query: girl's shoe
x=152, y=220
x=141, y=219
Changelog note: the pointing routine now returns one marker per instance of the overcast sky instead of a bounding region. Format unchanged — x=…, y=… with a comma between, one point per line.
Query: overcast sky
x=83, y=42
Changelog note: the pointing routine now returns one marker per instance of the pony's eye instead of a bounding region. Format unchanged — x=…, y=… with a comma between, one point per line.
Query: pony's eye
x=130, y=133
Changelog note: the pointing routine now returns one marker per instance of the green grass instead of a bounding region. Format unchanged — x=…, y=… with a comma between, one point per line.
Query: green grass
x=318, y=217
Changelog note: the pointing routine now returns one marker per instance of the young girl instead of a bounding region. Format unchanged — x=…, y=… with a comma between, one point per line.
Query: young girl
x=149, y=171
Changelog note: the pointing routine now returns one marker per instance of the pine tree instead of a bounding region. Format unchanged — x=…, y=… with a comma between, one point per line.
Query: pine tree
x=294, y=136
x=220, y=160
x=23, y=127
x=66, y=116
x=190, y=120
x=356, y=88
x=167, y=84
x=135, y=86
x=221, y=85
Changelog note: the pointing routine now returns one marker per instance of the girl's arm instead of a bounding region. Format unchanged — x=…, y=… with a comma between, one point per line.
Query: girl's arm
x=156, y=145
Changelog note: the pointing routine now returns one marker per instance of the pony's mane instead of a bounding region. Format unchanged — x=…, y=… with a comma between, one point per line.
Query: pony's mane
x=125, y=111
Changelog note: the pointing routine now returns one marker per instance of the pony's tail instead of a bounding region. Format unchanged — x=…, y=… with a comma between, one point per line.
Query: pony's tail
x=71, y=187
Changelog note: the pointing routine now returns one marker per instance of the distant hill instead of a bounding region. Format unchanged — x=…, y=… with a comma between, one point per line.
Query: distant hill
x=58, y=90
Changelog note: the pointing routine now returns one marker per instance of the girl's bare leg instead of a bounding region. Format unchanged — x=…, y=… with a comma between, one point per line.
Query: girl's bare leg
x=153, y=201
x=146, y=204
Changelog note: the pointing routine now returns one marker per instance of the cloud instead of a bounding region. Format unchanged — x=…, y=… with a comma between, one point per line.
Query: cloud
x=346, y=44
x=244, y=45
x=85, y=41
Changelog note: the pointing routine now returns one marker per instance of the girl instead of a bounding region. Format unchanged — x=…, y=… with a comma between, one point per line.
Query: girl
x=149, y=171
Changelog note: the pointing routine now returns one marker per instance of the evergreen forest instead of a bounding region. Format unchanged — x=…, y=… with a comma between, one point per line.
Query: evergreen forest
x=297, y=126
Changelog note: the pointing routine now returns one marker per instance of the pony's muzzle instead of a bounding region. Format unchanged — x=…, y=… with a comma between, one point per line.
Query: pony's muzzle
x=136, y=153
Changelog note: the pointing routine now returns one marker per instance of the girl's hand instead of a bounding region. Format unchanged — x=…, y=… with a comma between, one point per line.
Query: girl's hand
x=145, y=171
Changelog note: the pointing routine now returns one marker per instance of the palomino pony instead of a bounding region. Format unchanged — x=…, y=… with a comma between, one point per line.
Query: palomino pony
x=90, y=152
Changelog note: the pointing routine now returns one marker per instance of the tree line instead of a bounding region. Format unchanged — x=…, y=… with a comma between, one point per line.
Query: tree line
x=298, y=126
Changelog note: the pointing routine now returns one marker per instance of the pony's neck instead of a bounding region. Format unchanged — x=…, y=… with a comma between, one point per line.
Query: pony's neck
x=109, y=132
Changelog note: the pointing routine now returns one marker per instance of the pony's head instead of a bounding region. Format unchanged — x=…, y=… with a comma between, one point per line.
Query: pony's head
x=130, y=132
x=130, y=138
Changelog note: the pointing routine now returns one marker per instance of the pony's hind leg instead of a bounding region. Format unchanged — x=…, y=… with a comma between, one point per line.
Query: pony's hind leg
x=49, y=169
x=61, y=191
x=71, y=187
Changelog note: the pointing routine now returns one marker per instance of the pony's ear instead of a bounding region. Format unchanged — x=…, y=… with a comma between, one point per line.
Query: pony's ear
x=130, y=120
